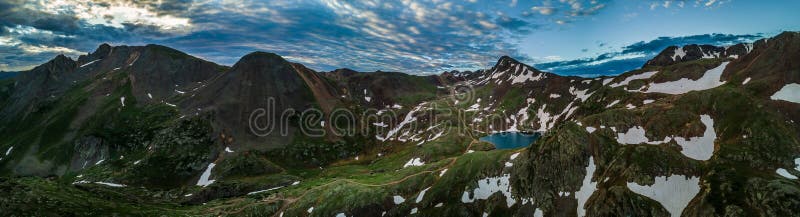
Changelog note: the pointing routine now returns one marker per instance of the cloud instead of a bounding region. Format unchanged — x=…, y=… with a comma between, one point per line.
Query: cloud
x=681, y=3
x=414, y=36
x=633, y=56
x=543, y=10
x=17, y=55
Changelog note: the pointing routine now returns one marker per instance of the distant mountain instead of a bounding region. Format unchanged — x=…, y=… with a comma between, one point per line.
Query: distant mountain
x=5, y=75
x=699, y=130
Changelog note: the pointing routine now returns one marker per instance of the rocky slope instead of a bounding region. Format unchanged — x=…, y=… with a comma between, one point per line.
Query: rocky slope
x=697, y=131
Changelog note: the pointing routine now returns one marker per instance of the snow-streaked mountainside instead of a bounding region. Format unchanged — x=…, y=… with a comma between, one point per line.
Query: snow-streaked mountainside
x=148, y=130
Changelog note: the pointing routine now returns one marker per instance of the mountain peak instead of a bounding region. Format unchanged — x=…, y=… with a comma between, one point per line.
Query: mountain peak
x=61, y=58
x=60, y=61
x=507, y=62
x=103, y=47
x=261, y=56
x=506, y=59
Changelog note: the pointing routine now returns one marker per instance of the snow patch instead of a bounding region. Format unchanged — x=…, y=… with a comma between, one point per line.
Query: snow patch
x=789, y=92
x=421, y=195
x=580, y=94
x=122, y=100
x=700, y=148
x=644, y=75
x=636, y=135
x=674, y=192
x=544, y=118
x=414, y=162
x=612, y=103
x=711, y=79
x=262, y=191
x=367, y=98
x=607, y=80
x=228, y=149
x=398, y=199
x=408, y=119
x=783, y=172
x=526, y=76
x=489, y=186
x=89, y=63
x=746, y=80
x=380, y=124
x=587, y=188
x=110, y=184
x=204, y=179
x=679, y=53
x=474, y=107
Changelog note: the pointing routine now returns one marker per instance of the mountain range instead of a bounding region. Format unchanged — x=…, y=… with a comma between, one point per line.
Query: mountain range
x=699, y=130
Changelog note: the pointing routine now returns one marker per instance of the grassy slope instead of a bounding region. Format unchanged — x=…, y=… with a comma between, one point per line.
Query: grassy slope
x=555, y=163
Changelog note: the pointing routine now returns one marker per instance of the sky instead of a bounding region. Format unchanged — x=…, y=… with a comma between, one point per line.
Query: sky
x=568, y=37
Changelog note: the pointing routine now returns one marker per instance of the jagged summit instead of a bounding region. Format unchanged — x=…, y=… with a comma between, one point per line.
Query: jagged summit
x=507, y=60
x=508, y=69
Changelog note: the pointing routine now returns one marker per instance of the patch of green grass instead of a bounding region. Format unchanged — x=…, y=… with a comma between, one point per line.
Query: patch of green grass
x=39, y=197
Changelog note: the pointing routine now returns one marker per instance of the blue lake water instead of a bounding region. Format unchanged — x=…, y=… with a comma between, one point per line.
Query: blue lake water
x=511, y=140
